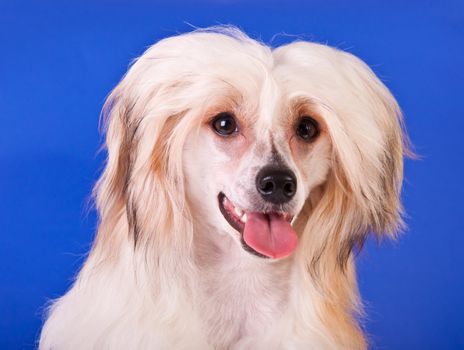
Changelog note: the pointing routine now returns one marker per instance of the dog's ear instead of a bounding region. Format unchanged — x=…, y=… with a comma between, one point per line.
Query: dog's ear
x=381, y=151
x=362, y=192
x=111, y=191
x=368, y=156
x=143, y=118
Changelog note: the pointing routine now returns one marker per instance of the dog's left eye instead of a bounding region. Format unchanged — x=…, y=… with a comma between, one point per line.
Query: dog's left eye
x=307, y=128
x=224, y=124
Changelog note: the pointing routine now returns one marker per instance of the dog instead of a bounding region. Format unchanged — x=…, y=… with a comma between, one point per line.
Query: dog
x=240, y=182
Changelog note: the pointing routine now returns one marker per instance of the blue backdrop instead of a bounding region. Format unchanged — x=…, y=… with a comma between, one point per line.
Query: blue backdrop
x=58, y=61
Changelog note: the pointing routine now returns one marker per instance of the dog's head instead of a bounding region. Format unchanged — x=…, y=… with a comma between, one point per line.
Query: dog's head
x=299, y=146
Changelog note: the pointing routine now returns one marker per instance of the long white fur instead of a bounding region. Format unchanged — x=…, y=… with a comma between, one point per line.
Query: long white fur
x=184, y=281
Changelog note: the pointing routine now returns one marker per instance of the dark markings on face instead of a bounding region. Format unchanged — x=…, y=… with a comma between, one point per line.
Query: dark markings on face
x=355, y=242
x=127, y=149
x=276, y=157
x=314, y=266
x=388, y=214
x=131, y=212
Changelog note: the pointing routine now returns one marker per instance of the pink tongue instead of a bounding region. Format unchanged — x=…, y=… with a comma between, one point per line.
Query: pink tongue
x=269, y=234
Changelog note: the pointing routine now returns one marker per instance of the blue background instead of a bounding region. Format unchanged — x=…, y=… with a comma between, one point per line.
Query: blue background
x=58, y=61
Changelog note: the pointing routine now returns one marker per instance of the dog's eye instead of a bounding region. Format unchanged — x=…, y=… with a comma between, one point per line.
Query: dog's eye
x=224, y=124
x=307, y=128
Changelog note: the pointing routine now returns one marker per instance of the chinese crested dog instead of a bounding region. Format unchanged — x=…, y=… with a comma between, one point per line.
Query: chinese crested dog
x=240, y=180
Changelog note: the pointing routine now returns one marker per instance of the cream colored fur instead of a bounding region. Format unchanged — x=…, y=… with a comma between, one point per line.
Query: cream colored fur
x=166, y=270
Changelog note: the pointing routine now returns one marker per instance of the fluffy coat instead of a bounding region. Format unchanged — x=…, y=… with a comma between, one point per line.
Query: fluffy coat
x=166, y=270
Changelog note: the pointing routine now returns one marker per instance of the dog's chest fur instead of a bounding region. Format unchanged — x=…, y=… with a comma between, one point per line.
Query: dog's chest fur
x=241, y=297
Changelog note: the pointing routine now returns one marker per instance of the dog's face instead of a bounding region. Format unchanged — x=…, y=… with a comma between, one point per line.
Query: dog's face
x=263, y=145
x=298, y=146
x=250, y=167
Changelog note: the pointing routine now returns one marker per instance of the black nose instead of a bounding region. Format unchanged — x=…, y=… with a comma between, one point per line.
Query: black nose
x=276, y=184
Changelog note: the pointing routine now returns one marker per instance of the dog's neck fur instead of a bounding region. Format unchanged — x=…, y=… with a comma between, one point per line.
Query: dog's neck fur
x=241, y=296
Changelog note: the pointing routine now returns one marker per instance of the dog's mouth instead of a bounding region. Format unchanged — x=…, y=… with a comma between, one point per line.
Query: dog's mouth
x=267, y=235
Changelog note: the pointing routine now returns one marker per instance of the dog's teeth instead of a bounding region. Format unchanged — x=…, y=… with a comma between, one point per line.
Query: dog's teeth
x=243, y=218
x=238, y=212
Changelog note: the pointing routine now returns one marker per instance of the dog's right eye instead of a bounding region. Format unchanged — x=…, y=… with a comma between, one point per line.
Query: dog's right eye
x=224, y=124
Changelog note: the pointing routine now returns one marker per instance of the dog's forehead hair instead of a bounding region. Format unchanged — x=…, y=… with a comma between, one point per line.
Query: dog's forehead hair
x=270, y=100
x=270, y=127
